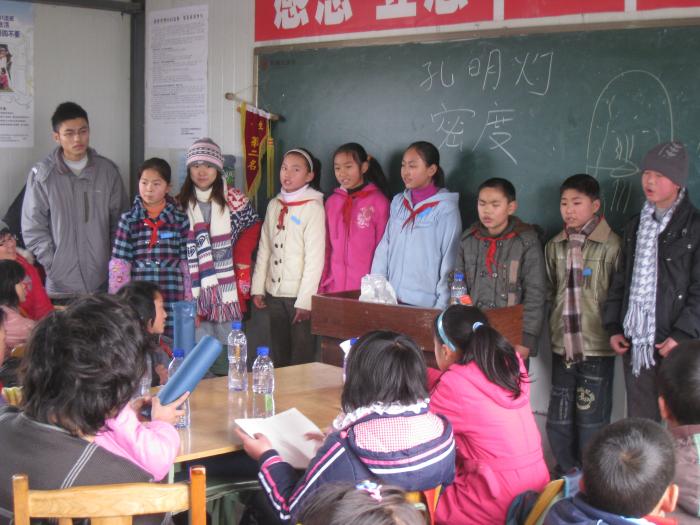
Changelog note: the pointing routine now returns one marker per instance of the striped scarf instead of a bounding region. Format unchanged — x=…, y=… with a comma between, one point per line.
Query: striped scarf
x=210, y=262
x=640, y=320
x=571, y=315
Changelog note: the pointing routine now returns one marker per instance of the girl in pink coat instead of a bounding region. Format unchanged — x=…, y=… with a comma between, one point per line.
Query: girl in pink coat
x=356, y=215
x=483, y=391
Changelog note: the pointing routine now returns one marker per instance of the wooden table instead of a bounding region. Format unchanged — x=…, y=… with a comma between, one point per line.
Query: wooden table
x=313, y=388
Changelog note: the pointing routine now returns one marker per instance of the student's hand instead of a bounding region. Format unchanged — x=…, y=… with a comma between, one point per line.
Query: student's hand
x=259, y=302
x=317, y=437
x=254, y=446
x=524, y=351
x=138, y=404
x=619, y=344
x=301, y=315
x=666, y=346
x=170, y=412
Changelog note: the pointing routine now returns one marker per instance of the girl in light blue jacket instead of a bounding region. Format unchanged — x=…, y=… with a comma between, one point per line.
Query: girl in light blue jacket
x=420, y=243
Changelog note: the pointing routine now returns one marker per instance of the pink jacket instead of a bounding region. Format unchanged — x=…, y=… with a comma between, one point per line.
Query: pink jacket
x=151, y=445
x=350, y=248
x=17, y=328
x=499, y=449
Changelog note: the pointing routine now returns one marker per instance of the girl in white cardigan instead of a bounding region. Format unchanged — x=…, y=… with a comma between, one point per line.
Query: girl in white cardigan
x=290, y=259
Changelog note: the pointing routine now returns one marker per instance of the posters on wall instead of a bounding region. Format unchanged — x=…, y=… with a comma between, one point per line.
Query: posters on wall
x=176, y=76
x=16, y=75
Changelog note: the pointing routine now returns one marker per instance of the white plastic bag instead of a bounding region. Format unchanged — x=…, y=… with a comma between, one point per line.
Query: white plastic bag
x=376, y=289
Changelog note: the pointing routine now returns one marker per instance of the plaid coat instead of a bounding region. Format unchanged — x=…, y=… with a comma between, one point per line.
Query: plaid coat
x=161, y=264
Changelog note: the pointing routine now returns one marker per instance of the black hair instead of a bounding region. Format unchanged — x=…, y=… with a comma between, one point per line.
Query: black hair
x=583, y=183
x=315, y=165
x=430, y=155
x=140, y=295
x=11, y=274
x=384, y=367
x=67, y=111
x=187, y=193
x=627, y=467
x=374, y=173
x=158, y=165
x=344, y=504
x=2, y=317
x=678, y=382
x=503, y=185
x=492, y=353
x=82, y=365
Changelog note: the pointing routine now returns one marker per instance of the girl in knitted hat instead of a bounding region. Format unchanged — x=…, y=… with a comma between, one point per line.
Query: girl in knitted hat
x=224, y=230
x=290, y=259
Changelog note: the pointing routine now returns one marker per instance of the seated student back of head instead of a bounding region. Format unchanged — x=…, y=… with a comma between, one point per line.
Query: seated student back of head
x=628, y=470
x=679, y=404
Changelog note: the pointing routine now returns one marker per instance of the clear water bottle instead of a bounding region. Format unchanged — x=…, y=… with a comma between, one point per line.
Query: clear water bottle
x=237, y=357
x=263, y=384
x=458, y=290
x=145, y=385
x=178, y=358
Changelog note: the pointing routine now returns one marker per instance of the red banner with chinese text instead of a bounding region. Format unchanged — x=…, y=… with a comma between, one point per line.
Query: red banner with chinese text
x=543, y=8
x=282, y=19
x=255, y=132
x=644, y=5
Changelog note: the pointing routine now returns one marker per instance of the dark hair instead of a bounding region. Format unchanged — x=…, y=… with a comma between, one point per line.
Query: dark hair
x=344, y=504
x=678, y=382
x=503, y=185
x=140, y=295
x=627, y=467
x=315, y=165
x=11, y=274
x=430, y=155
x=384, y=367
x=67, y=111
x=2, y=317
x=374, y=173
x=492, y=353
x=83, y=365
x=583, y=183
x=158, y=165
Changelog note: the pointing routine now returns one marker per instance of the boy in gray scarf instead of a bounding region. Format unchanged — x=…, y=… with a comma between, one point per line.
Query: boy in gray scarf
x=654, y=300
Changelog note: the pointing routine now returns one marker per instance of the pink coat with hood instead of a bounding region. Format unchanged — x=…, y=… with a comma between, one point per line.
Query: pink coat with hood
x=350, y=248
x=499, y=448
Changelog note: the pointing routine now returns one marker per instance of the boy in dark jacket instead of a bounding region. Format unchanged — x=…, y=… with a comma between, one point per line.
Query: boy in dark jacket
x=502, y=260
x=654, y=299
x=679, y=403
x=628, y=471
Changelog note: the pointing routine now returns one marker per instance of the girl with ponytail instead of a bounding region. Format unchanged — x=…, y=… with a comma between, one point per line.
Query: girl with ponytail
x=482, y=389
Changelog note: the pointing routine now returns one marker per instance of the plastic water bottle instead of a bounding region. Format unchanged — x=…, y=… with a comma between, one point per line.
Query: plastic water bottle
x=263, y=384
x=145, y=385
x=458, y=290
x=237, y=357
x=178, y=358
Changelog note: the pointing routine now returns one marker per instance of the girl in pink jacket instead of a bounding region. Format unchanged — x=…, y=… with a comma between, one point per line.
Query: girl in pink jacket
x=483, y=391
x=356, y=215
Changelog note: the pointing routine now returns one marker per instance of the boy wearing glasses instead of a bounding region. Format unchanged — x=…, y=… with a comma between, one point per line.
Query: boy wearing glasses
x=72, y=204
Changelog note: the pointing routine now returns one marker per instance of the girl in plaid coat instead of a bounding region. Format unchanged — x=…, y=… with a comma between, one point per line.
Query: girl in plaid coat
x=151, y=240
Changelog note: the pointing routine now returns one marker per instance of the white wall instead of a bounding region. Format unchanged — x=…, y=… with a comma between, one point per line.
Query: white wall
x=81, y=55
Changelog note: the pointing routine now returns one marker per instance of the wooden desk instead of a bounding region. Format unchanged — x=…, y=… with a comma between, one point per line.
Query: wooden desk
x=313, y=388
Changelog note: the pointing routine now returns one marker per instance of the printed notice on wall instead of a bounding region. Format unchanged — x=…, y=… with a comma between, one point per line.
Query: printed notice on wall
x=16, y=75
x=176, y=76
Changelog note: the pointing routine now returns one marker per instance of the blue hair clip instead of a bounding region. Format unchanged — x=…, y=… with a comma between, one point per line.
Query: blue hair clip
x=371, y=488
x=442, y=334
x=476, y=325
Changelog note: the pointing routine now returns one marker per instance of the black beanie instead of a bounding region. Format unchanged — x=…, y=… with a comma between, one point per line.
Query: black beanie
x=671, y=160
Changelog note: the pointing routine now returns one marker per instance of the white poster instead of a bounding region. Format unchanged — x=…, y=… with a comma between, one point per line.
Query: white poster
x=16, y=75
x=176, y=76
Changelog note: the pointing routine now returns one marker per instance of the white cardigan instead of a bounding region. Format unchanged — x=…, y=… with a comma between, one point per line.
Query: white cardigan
x=290, y=260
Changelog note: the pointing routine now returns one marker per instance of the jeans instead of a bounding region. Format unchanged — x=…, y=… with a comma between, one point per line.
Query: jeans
x=580, y=404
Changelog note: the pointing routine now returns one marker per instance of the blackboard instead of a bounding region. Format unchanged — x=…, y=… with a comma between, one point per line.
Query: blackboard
x=533, y=109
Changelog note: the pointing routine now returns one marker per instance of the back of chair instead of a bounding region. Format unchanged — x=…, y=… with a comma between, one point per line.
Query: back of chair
x=111, y=504
x=426, y=501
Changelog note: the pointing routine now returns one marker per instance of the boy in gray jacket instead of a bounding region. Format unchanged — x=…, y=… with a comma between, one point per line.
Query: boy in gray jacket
x=72, y=204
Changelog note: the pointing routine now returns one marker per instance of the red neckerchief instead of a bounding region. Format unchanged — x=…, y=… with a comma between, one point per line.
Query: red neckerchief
x=414, y=212
x=347, y=205
x=154, y=230
x=493, y=244
x=285, y=210
x=661, y=521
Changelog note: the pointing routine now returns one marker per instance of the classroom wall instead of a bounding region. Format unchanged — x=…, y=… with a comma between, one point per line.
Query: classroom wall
x=81, y=55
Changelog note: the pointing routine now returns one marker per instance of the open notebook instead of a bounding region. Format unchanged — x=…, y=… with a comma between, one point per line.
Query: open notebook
x=286, y=433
